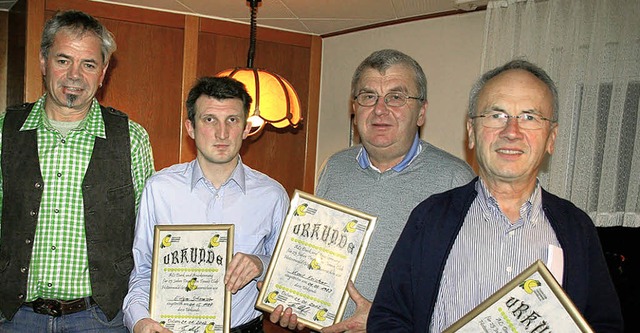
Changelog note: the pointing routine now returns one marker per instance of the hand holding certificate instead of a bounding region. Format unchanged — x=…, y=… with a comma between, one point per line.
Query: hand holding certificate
x=318, y=252
x=187, y=283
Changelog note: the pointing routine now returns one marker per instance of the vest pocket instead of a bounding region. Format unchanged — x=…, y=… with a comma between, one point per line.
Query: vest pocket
x=124, y=265
x=119, y=193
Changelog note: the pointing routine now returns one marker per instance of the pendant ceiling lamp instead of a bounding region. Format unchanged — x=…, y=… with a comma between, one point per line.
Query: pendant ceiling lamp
x=274, y=99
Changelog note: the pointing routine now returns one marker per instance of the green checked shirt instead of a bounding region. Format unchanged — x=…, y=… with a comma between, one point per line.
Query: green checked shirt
x=59, y=266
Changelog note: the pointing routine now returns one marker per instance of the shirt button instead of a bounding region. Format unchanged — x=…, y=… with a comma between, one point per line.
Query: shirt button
x=53, y=247
x=59, y=174
x=49, y=285
x=27, y=241
x=20, y=296
x=63, y=141
x=37, y=185
x=23, y=269
x=509, y=269
x=56, y=210
x=33, y=213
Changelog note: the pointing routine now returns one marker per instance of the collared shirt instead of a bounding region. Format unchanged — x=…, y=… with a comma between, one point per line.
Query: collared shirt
x=488, y=252
x=180, y=194
x=59, y=267
x=363, y=157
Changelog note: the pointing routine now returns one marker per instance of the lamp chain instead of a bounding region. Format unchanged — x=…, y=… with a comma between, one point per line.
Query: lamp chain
x=252, y=38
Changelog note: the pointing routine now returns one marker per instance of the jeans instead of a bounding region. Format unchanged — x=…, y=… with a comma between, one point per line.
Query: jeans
x=90, y=320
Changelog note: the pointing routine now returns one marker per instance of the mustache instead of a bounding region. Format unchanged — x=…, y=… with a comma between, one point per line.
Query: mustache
x=75, y=83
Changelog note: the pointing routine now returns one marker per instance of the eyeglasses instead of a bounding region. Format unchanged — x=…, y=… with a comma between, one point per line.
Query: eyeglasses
x=498, y=119
x=393, y=99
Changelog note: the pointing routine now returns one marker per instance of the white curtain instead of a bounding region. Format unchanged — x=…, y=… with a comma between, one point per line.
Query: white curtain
x=591, y=48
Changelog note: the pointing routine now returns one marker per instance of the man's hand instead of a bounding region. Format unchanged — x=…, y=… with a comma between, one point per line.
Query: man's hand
x=148, y=325
x=242, y=269
x=286, y=318
x=357, y=323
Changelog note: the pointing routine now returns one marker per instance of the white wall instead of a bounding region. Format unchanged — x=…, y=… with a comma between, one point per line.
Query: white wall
x=449, y=51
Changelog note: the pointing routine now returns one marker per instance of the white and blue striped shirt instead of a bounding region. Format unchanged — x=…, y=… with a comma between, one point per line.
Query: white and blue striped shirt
x=488, y=252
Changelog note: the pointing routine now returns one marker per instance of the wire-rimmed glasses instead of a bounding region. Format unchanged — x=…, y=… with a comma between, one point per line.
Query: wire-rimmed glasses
x=497, y=119
x=394, y=99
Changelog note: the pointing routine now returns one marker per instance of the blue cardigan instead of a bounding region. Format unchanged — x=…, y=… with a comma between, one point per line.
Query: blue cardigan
x=409, y=286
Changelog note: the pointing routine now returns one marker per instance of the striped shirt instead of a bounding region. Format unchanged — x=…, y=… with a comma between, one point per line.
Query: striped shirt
x=59, y=264
x=488, y=252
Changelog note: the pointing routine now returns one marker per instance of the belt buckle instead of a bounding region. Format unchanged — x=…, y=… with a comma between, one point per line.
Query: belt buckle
x=47, y=307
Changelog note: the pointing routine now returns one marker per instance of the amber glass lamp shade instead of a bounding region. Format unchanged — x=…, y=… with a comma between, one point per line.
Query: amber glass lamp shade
x=274, y=99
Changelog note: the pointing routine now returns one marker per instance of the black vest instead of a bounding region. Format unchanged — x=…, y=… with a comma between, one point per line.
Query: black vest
x=109, y=210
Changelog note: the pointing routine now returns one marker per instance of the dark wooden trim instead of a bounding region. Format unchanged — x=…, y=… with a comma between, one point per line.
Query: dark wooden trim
x=32, y=77
x=315, y=73
x=189, y=70
x=120, y=12
x=402, y=20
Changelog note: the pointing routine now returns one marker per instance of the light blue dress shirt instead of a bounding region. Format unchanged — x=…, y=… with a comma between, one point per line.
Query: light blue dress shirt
x=414, y=151
x=180, y=194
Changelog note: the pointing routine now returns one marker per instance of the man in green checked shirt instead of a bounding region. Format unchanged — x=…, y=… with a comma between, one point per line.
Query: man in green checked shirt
x=72, y=174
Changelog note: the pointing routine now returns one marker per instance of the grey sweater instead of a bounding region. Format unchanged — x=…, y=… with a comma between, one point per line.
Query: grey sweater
x=391, y=196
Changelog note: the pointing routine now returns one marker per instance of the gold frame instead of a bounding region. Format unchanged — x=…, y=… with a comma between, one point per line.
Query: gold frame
x=538, y=268
x=205, y=237
x=319, y=250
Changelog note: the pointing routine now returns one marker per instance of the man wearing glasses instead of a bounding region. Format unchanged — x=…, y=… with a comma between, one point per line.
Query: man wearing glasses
x=389, y=174
x=461, y=246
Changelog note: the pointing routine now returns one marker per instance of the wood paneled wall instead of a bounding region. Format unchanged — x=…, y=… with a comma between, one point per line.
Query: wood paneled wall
x=160, y=55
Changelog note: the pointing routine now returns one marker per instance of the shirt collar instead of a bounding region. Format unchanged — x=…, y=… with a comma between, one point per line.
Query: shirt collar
x=92, y=123
x=237, y=176
x=363, y=157
x=531, y=209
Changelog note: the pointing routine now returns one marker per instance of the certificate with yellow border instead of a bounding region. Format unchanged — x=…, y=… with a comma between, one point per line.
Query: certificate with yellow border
x=532, y=302
x=319, y=250
x=187, y=281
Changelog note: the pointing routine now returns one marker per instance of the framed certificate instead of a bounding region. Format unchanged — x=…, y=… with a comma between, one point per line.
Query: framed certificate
x=187, y=280
x=532, y=302
x=319, y=250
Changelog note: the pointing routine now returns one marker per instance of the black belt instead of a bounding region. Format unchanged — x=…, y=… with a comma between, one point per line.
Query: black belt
x=57, y=308
x=253, y=326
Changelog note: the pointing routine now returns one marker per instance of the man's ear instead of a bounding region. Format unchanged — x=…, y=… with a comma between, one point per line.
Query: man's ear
x=470, y=134
x=422, y=114
x=247, y=129
x=551, y=140
x=104, y=72
x=43, y=64
x=189, y=126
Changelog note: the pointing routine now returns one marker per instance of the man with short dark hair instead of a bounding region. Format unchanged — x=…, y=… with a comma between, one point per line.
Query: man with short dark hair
x=215, y=188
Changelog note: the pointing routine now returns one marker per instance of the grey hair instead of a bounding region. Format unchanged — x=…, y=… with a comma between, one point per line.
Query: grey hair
x=383, y=59
x=80, y=23
x=514, y=64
